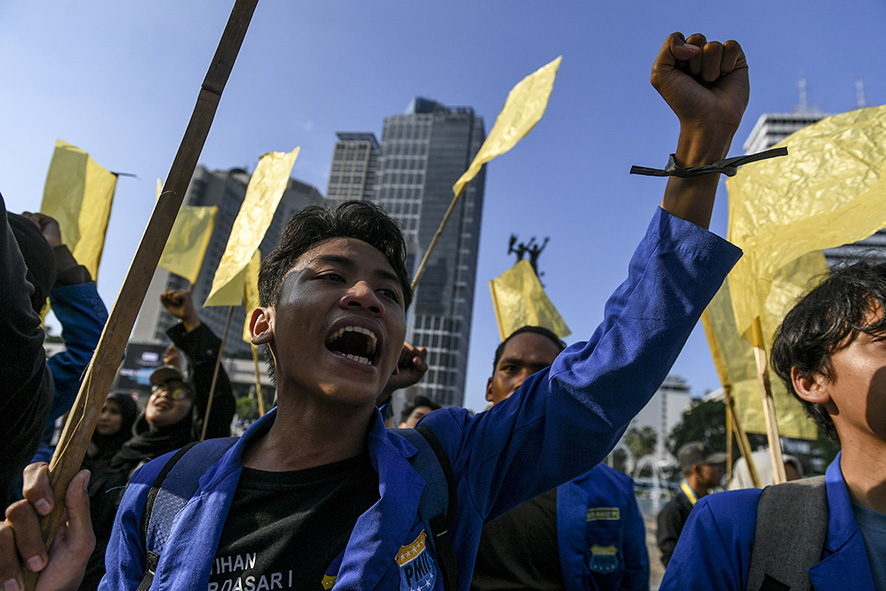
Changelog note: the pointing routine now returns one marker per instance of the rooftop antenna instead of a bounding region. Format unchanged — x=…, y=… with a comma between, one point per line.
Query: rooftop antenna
x=801, y=88
x=859, y=93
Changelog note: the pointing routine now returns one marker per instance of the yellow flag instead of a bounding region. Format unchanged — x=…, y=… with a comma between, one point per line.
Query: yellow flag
x=520, y=300
x=734, y=356
x=263, y=194
x=188, y=240
x=829, y=191
x=524, y=107
x=78, y=194
x=250, y=291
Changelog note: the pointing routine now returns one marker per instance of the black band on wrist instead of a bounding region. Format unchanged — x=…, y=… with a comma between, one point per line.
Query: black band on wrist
x=727, y=166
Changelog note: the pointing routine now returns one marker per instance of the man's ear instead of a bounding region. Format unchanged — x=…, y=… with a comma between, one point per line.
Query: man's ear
x=489, y=390
x=261, y=325
x=811, y=388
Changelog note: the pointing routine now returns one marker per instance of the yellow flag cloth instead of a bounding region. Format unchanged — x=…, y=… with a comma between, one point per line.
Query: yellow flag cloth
x=250, y=291
x=524, y=107
x=520, y=300
x=188, y=240
x=734, y=356
x=829, y=191
x=263, y=194
x=78, y=194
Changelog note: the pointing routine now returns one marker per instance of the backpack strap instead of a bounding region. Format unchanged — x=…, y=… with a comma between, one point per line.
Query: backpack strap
x=439, y=497
x=172, y=489
x=792, y=523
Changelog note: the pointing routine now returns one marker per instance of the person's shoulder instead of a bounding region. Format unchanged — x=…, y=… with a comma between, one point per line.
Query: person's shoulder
x=732, y=500
x=733, y=512
x=603, y=475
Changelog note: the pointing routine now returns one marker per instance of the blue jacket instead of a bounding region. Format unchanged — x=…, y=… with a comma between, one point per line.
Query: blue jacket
x=600, y=533
x=714, y=551
x=560, y=424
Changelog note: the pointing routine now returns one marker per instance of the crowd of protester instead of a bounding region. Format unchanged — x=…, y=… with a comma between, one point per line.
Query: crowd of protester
x=321, y=493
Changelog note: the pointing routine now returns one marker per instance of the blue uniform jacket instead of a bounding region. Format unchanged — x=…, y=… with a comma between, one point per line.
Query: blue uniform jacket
x=560, y=424
x=714, y=551
x=600, y=533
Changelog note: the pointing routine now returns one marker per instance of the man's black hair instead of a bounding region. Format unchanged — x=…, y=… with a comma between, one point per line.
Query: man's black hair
x=539, y=330
x=361, y=220
x=825, y=321
x=416, y=402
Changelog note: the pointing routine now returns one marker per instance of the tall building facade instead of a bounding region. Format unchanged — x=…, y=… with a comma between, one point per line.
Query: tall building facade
x=410, y=173
x=354, y=170
x=772, y=128
x=226, y=189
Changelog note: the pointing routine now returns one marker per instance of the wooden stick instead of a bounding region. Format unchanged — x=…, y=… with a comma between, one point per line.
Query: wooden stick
x=261, y=399
x=83, y=417
x=215, y=373
x=768, y=403
x=729, y=432
x=741, y=435
x=433, y=244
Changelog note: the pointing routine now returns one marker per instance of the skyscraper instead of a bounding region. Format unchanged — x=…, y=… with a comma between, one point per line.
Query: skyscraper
x=354, y=170
x=410, y=173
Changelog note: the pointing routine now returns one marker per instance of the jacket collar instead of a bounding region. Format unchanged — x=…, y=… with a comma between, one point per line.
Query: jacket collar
x=382, y=529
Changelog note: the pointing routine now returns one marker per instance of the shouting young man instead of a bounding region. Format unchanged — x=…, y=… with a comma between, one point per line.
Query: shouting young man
x=318, y=492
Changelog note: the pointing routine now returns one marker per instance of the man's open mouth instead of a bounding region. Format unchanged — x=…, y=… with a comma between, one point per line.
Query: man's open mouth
x=355, y=343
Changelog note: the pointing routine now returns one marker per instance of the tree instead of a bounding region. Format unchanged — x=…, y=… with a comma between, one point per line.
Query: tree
x=703, y=421
x=640, y=442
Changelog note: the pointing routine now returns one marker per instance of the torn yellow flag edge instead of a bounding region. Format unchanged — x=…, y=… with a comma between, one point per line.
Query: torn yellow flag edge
x=263, y=194
x=524, y=107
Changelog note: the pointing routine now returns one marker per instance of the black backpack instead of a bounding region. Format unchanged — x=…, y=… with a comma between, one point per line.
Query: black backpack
x=792, y=524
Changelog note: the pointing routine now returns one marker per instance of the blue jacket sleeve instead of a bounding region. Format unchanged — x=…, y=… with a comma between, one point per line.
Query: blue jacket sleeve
x=83, y=315
x=714, y=550
x=564, y=420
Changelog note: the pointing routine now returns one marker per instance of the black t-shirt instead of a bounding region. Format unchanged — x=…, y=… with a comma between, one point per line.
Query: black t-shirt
x=285, y=529
x=519, y=550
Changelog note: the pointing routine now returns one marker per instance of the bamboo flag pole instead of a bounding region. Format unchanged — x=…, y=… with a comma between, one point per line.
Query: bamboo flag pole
x=729, y=438
x=437, y=234
x=261, y=400
x=215, y=373
x=83, y=417
x=741, y=435
x=768, y=403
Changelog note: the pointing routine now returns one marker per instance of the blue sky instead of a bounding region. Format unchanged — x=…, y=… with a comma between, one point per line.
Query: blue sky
x=119, y=80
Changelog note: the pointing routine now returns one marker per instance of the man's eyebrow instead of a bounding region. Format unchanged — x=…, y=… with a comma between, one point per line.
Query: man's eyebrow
x=343, y=261
x=333, y=259
x=511, y=359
